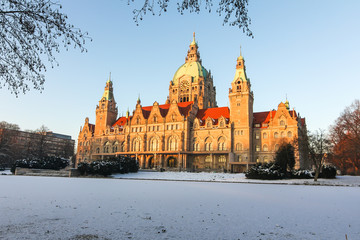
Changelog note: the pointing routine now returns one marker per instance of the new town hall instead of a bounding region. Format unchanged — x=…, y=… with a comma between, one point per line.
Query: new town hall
x=189, y=131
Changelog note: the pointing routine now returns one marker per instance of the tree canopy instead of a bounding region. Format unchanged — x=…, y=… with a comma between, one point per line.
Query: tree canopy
x=235, y=12
x=345, y=137
x=31, y=31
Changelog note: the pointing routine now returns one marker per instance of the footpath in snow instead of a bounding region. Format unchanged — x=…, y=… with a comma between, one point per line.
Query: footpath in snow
x=345, y=181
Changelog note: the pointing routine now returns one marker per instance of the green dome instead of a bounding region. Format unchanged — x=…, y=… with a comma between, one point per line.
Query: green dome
x=193, y=69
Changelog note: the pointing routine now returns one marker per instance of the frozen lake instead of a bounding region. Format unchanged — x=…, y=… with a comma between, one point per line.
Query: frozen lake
x=90, y=208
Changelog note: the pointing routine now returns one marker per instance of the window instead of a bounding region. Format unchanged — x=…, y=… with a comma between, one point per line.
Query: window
x=265, y=136
x=136, y=145
x=276, y=135
x=106, y=147
x=265, y=148
x=195, y=125
x=172, y=144
x=289, y=134
x=97, y=150
x=257, y=125
x=282, y=123
x=208, y=125
x=242, y=132
x=196, y=146
x=208, y=145
x=276, y=147
x=122, y=147
x=257, y=148
x=257, y=135
x=154, y=144
x=238, y=147
x=222, y=124
x=138, y=120
x=208, y=159
x=155, y=119
x=221, y=144
x=282, y=134
x=222, y=159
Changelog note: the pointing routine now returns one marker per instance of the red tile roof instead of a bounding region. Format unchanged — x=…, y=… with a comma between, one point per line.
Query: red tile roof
x=213, y=113
x=121, y=121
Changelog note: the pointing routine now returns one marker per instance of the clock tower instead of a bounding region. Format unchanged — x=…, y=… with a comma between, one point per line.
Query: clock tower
x=192, y=81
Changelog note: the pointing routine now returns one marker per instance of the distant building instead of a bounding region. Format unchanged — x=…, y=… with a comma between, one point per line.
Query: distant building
x=26, y=144
x=190, y=131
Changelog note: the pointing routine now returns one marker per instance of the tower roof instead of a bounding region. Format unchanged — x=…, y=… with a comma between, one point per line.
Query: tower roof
x=192, y=66
x=108, y=92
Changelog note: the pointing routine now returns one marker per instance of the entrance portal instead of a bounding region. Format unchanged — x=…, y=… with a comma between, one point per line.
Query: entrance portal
x=171, y=162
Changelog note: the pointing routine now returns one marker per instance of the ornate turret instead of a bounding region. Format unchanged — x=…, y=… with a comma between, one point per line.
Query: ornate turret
x=106, y=111
x=192, y=81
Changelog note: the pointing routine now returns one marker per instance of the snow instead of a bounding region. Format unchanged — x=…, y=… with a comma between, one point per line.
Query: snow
x=353, y=181
x=106, y=208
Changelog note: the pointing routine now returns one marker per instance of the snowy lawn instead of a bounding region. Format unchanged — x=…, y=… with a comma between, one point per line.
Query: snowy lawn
x=236, y=178
x=95, y=208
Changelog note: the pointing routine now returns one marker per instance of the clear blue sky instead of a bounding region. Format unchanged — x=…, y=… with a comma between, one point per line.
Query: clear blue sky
x=307, y=50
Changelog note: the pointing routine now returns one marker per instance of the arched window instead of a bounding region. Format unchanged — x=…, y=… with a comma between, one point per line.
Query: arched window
x=208, y=145
x=289, y=134
x=172, y=144
x=136, y=145
x=115, y=146
x=238, y=147
x=282, y=123
x=122, y=147
x=138, y=120
x=106, y=147
x=265, y=148
x=276, y=147
x=265, y=135
x=154, y=144
x=276, y=135
x=155, y=119
x=282, y=134
x=196, y=145
x=97, y=150
x=222, y=124
x=221, y=144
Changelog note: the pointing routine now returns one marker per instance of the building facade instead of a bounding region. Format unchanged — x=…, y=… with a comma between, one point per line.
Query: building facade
x=189, y=131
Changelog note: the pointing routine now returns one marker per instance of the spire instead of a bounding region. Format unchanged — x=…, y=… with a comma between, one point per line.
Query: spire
x=287, y=104
x=193, y=54
x=127, y=113
x=138, y=100
x=108, y=92
x=109, y=78
x=193, y=41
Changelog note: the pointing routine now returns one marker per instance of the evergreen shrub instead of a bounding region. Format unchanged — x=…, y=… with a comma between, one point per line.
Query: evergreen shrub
x=51, y=162
x=265, y=171
x=107, y=167
x=328, y=172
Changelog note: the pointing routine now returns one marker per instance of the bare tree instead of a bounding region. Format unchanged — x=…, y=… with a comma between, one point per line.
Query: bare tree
x=345, y=136
x=319, y=149
x=8, y=135
x=235, y=11
x=29, y=31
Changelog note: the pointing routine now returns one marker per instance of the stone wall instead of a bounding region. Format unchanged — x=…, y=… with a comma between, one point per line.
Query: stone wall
x=47, y=172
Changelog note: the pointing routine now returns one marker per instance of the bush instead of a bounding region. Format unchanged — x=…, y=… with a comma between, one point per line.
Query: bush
x=302, y=174
x=54, y=163
x=107, y=167
x=328, y=172
x=267, y=171
x=285, y=157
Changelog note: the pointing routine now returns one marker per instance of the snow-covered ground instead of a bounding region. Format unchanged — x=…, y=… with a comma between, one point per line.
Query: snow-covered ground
x=353, y=181
x=96, y=208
